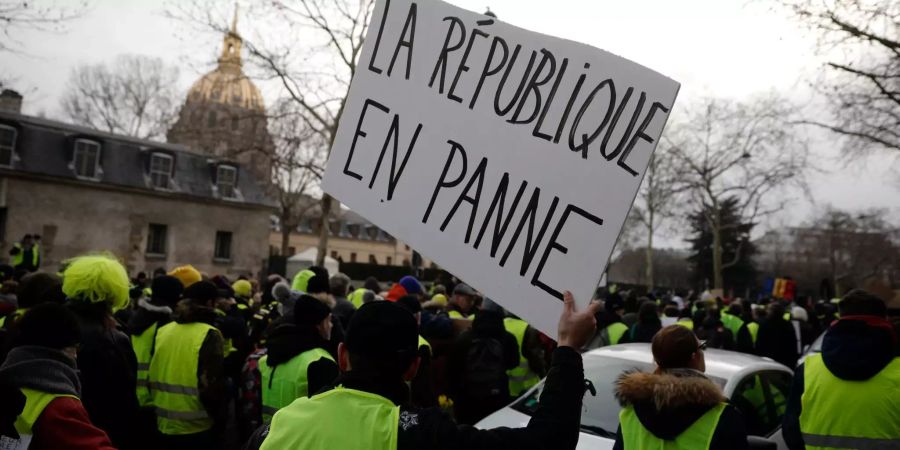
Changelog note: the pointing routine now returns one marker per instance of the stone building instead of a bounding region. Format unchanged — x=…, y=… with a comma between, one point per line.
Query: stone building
x=149, y=203
x=224, y=114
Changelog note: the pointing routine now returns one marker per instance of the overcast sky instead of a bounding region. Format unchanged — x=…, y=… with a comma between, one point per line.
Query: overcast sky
x=725, y=48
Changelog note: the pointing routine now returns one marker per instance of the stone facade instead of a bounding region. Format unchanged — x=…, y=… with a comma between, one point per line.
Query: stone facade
x=387, y=253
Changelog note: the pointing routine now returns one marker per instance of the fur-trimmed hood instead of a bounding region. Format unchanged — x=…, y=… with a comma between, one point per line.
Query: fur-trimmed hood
x=667, y=403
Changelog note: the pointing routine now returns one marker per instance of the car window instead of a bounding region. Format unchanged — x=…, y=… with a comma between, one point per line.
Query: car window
x=600, y=413
x=762, y=398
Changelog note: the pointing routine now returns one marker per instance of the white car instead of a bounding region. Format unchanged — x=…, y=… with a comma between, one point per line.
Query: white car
x=740, y=375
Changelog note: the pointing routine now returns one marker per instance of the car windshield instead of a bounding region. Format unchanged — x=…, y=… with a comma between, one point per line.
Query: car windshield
x=600, y=415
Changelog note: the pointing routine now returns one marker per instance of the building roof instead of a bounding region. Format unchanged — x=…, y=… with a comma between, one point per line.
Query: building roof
x=45, y=147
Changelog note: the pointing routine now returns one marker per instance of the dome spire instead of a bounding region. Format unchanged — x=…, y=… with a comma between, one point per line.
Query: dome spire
x=234, y=20
x=230, y=59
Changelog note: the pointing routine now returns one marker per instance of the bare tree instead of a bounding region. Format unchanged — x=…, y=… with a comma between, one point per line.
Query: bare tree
x=296, y=165
x=316, y=76
x=17, y=16
x=135, y=96
x=744, y=151
x=861, y=82
x=655, y=201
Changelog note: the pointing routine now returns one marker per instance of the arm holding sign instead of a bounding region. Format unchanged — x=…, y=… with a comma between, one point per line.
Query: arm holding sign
x=555, y=424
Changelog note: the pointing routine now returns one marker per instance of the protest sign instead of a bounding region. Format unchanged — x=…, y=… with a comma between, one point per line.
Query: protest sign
x=508, y=157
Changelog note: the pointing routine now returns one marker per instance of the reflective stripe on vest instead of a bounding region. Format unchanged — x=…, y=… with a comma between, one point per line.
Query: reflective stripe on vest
x=849, y=414
x=286, y=382
x=695, y=437
x=521, y=377
x=615, y=331
x=173, y=379
x=143, y=350
x=35, y=403
x=321, y=422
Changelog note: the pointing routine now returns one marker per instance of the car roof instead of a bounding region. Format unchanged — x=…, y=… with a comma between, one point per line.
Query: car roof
x=723, y=364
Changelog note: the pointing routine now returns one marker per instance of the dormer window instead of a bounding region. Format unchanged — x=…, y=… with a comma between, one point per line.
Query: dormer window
x=226, y=181
x=161, y=166
x=86, y=158
x=7, y=145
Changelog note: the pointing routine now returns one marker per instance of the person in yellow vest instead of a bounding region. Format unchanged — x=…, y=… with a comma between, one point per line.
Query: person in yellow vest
x=421, y=387
x=367, y=407
x=848, y=396
x=41, y=368
x=26, y=255
x=531, y=356
x=96, y=287
x=610, y=327
x=150, y=315
x=186, y=377
x=297, y=363
x=676, y=407
x=462, y=304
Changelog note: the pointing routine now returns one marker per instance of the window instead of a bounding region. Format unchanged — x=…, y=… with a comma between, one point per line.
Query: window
x=389, y=261
x=7, y=145
x=160, y=170
x=372, y=259
x=223, y=246
x=226, y=179
x=86, y=158
x=235, y=123
x=211, y=119
x=352, y=257
x=762, y=398
x=156, y=239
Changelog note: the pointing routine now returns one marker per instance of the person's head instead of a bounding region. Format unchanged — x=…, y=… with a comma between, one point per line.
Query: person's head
x=49, y=325
x=671, y=311
x=798, y=313
x=464, y=297
x=439, y=289
x=861, y=303
x=39, y=287
x=27, y=240
x=614, y=304
x=187, y=274
x=372, y=285
x=382, y=343
x=339, y=284
x=647, y=312
x=677, y=347
x=318, y=285
x=166, y=291
x=412, y=286
x=735, y=309
x=776, y=311
x=242, y=289
x=158, y=272
x=411, y=303
x=97, y=279
x=311, y=313
x=202, y=293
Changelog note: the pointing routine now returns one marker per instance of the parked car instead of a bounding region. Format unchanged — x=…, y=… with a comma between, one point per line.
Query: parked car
x=757, y=386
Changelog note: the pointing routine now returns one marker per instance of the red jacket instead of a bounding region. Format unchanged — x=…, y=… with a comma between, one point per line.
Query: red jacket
x=64, y=425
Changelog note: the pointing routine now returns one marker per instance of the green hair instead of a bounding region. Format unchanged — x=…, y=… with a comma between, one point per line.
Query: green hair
x=97, y=278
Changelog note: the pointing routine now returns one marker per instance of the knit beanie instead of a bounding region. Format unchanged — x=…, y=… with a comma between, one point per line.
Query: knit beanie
x=242, y=288
x=166, y=290
x=97, y=278
x=188, y=275
x=202, y=292
x=48, y=325
x=309, y=311
x=411, y=284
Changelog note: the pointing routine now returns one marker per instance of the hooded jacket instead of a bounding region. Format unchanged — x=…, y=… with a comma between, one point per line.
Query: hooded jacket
x=852, y=350
x=668, y=403
x=64, y=423
x=147, y=314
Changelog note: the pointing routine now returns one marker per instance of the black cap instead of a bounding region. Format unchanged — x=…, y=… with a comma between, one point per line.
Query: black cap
x=48, y=325
x=308, y=310
x=201, y=292
x=383, y=329
x=166, y=290
x=410, y=303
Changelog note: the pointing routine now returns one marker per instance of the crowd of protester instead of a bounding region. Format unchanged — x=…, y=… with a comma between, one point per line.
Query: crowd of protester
x=179, y=359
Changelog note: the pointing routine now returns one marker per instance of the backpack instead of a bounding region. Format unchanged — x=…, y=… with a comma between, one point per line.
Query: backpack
x=249, y=407
x=485, y=374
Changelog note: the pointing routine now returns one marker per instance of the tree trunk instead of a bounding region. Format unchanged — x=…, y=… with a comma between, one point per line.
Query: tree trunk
x=285, y=239
x=718, y=282
x=649, y=260
x=324, y=229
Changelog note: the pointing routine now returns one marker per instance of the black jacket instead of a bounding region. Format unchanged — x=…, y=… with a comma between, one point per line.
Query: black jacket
x=555, y=424
x=777, y=340
x=641, y=332
x=287, y=340
x=667, y=404
x=851, y=350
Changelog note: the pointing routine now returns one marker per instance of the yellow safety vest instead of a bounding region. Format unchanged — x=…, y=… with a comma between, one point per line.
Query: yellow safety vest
x=286, y=382
x=19, y=258
x=753, y=328
x=840, y=413
x=35, y=403
x=697, y=436
x=454, y=314
x=615, y=331
x=521, y=377
x=687, y=323
x=733, y=323
x=174, y=389
x=356, y=297
x=14, y=316
x=143, y=350
x=424, y=343
x=320, y=422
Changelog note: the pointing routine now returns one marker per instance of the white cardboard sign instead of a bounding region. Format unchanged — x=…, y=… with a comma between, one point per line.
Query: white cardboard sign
x=509, y=157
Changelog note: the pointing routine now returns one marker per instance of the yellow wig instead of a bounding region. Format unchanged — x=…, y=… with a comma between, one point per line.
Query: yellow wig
x=97, y=278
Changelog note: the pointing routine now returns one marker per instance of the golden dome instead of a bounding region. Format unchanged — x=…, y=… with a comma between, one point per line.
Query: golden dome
x=227, y=84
